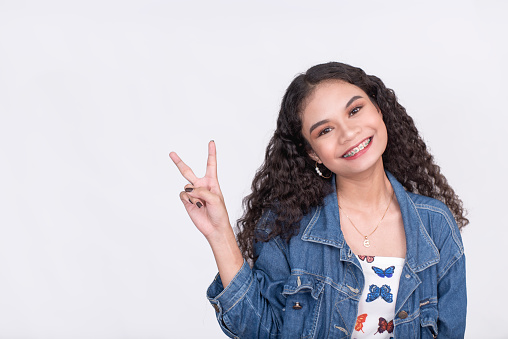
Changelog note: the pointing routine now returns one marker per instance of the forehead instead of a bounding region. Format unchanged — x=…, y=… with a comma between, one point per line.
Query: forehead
x=328, y=97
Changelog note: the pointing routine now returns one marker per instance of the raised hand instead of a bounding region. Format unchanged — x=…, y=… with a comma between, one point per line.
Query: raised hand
x=204, y=203
x=203, y=198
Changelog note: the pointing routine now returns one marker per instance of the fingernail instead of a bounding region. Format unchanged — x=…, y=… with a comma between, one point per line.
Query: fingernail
x=190, y=201
x=189, y=189
x=198, y=204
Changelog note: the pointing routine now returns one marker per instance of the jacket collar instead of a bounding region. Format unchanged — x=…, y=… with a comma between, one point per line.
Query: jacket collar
x=324, y=227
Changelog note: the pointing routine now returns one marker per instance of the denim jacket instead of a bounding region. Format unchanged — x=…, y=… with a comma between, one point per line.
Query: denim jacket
x=310, y=286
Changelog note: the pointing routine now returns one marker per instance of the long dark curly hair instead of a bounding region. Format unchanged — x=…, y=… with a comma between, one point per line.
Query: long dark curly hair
x=287, y=183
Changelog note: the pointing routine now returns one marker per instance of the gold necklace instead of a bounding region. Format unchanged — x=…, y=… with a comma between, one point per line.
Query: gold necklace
x=366, y=242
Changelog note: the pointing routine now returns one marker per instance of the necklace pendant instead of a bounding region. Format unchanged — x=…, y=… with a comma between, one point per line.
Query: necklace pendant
x=366, y=242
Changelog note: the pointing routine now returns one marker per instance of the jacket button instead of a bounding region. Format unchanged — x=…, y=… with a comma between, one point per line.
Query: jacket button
x=297, y=306
x=402, y=314
x=216, y=307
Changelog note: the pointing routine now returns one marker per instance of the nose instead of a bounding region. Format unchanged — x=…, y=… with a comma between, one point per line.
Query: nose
x=348, y=131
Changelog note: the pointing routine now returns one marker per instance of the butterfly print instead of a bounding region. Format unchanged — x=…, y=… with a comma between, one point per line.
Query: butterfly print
x=383, y=292
x=385, y=326
x=368, y=257
x=386, y=273
x=359, y=322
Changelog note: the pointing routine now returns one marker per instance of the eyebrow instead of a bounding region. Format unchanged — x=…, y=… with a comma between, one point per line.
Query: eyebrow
x=353, y=99
x=317, y=124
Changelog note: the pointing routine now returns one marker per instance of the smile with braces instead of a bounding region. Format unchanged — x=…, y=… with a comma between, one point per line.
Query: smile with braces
x=358, y=148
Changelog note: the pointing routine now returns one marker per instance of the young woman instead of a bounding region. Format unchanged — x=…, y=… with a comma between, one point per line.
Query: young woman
x=352, y=230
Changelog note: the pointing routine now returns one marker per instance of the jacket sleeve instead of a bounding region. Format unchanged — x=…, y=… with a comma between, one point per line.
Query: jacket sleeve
x=251, y=306
x=452, y=301
x=451, y=283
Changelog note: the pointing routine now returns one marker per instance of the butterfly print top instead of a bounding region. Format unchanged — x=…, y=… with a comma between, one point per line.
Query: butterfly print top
x=376, y=308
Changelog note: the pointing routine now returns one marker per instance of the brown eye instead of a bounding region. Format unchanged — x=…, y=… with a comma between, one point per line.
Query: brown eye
x=354, y=110
x=326, y=130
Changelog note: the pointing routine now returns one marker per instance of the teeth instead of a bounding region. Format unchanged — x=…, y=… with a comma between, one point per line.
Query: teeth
x=358, y=148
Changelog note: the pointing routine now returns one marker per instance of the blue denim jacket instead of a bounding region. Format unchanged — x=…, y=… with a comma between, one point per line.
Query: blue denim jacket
x=310, y=287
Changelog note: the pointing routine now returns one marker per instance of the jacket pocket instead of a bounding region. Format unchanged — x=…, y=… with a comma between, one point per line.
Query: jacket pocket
x=303, y=294
x=428, y=319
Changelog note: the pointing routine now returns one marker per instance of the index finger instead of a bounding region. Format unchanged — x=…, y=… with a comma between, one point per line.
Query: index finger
x=185, y=170
x=211, y=163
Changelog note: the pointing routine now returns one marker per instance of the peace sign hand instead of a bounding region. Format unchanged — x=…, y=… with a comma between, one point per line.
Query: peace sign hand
x=204, y=203
x=203, y=198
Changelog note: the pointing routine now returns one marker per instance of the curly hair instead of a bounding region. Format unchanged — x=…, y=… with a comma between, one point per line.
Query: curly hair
x=286, y=182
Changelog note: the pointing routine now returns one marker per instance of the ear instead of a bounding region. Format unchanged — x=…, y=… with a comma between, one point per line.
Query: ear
x=314, y=156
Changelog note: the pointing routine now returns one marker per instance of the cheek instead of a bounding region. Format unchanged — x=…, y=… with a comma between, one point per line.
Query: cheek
x=326, y=152
x=383, y=135
x=383, y=127
x=381, y=124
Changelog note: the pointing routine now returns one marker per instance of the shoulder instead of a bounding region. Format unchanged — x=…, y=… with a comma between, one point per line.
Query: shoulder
x=266, y=242
x=439, y=223
x=431, y=216
x=266, y=221
x=433, y=208
x=434, y=212
x=265, y=226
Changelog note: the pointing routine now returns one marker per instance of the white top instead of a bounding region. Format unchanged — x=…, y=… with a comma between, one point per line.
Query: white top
x=376, y=308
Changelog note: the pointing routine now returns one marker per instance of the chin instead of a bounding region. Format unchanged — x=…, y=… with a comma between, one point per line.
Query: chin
x=360, y=168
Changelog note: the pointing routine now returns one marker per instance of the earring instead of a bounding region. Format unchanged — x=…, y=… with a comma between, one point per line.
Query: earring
x=318, y=171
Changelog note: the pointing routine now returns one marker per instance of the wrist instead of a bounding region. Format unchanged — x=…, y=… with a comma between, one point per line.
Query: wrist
x=228, y=256
x=221, y=235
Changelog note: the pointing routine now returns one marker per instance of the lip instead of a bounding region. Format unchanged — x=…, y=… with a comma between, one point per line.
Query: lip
x=360, y=153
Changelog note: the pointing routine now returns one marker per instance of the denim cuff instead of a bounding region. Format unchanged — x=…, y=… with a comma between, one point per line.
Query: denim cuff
x=223, y=299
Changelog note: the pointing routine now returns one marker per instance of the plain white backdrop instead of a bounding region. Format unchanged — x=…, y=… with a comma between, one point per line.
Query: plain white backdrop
x=94, y=241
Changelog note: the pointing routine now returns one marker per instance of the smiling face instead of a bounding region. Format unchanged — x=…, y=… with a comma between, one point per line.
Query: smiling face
x=344, y=129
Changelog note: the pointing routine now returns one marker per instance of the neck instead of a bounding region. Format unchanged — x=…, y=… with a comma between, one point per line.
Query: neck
x=367, y=191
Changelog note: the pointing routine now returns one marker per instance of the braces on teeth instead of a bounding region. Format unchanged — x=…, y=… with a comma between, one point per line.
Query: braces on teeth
x=358, y=148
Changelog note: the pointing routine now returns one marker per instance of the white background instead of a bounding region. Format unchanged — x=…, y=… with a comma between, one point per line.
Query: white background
x=94, y=241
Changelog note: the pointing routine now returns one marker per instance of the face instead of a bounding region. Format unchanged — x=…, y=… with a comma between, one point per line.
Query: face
x=344, y=129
